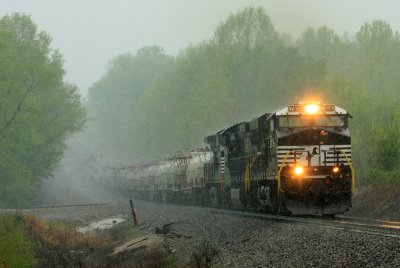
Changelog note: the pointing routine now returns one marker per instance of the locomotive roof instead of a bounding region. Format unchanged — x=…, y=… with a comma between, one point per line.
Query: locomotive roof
x=292, y=109
x=233, y=127
x=298, y=109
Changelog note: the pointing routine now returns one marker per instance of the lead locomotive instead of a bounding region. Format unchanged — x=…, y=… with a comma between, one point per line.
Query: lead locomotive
x=296, y=160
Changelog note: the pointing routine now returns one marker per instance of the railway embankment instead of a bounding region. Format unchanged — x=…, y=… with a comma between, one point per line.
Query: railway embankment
x=182, y=236
x=377, y=201
x=78, y=236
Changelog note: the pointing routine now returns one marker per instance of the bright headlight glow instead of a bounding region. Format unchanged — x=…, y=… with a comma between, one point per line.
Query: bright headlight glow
x=335, y=169
x=298, y=170
x=311, y=108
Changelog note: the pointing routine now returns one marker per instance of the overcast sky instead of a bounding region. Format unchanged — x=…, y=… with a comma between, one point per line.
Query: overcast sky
x=91, y=32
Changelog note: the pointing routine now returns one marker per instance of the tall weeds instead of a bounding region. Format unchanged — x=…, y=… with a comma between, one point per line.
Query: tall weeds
x=26, y=240
x=17, y=249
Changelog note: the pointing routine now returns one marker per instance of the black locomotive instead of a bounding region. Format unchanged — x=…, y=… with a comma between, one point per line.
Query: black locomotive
x=296, y=160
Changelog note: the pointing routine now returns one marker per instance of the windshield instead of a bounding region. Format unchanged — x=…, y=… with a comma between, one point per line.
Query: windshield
x=312, y=121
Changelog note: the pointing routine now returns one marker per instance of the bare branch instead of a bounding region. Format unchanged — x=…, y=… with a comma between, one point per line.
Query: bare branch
x=29, y=88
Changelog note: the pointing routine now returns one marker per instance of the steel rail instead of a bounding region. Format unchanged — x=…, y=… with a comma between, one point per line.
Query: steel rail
x=57, y=206
x=358, y=225
x=367, y=220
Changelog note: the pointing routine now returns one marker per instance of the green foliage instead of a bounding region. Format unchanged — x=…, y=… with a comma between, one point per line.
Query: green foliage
x=367, y=85
x=246, y=29
x=242, y=70
x=16, y=248
x=205, y=255
x=320, y=43
x=151, y=104
x=38, y=111
x=114, y=101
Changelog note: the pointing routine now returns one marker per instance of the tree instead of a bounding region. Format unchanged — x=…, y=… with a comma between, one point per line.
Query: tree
x=114, y=101
x=248, y=28
x=319, y=43
x=379, y=57
x=244, y=70
x=38, y=110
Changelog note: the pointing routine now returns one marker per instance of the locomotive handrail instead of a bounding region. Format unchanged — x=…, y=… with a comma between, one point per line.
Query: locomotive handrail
x=280, y=170
x=247, y=156
x=353, y=178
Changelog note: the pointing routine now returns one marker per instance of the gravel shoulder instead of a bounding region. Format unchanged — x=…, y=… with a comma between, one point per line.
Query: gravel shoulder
x=233, y=241
x=245, y=242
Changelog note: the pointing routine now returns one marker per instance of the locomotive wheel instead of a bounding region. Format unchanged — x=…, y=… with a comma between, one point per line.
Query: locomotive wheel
x=276, y=203
x=244, y=199
x=274, y=207
x=255, y=198
x=214, y=197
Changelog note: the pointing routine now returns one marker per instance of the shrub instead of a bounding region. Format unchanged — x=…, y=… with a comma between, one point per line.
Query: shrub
x=205, y=254
x=16, y=247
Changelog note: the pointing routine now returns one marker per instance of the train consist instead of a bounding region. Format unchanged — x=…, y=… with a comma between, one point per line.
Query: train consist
x=296, y=160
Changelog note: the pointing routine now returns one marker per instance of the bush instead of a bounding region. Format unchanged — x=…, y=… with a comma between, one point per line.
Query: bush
x=205, y=254
x=16, y=247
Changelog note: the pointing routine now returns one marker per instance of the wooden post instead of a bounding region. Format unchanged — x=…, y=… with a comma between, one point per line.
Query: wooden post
x=134, y=215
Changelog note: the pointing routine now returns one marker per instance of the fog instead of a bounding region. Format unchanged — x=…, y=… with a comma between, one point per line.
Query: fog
x=90, y=33
x=288, y=107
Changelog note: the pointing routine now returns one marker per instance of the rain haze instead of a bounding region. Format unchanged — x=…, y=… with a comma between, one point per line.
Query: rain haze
x=214, y=133
x=90, y=33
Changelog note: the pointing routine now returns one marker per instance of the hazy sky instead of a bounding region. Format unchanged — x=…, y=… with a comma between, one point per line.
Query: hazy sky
x=91, y=32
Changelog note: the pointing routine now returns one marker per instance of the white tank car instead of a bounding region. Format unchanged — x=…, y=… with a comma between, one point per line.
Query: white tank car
x=195, y=168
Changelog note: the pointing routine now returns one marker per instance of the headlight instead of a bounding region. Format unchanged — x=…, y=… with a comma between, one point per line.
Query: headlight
x=311, y=108
x=298, y=170
x=335, y=169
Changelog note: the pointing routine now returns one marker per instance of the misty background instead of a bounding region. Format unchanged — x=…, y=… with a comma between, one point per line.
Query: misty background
x=158, y=76
x=90, y=33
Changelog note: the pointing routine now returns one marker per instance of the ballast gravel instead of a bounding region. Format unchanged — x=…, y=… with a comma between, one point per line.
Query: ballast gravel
x=248, y=242
x=244, y=242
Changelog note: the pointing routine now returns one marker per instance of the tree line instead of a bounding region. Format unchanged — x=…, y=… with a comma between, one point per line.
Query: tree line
x=150, y=104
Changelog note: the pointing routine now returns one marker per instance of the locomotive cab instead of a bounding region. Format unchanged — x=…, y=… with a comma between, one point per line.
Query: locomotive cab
x=314, y=170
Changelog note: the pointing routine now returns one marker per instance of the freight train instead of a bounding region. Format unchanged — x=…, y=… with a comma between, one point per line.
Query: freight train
x=296, y=161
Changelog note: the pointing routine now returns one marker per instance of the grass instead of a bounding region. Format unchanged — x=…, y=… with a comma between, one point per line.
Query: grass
x=54, y=234
x=26, y=240
x=17, y=249
x=205, y=255
x=123, y=230
x=173, y=261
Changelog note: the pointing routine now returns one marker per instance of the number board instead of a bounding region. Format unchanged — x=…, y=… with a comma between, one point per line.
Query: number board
x=300, y=108
x=329, y=107
x=295, y=108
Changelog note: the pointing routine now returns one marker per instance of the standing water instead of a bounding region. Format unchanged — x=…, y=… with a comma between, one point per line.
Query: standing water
x=101, y=224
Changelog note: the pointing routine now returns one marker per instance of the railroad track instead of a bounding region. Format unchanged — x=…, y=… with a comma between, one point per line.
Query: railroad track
x=4, y=210
x=340, y=222
x=359, y=225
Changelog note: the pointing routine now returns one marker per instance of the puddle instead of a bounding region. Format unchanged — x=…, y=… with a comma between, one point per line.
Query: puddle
x=102, y=224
